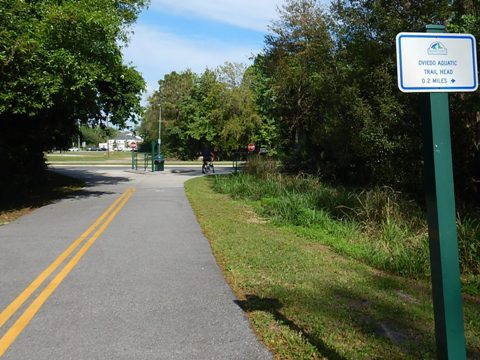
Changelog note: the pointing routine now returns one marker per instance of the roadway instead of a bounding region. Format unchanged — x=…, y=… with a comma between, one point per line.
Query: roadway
x=119, y=270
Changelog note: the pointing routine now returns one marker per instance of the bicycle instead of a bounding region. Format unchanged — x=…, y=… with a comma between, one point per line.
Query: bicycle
x=208, y=167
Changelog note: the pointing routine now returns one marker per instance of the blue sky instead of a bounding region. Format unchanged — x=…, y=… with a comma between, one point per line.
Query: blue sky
x=173, y=35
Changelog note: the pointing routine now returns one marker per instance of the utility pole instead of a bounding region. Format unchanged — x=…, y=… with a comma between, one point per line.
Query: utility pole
x=159, y=127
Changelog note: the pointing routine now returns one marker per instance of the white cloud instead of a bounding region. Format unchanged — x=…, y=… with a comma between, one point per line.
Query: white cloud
x=249, y=14
x=155, y=53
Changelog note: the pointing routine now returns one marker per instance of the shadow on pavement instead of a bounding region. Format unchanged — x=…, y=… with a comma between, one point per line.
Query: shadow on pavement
x=198, y=171
x=192, y=172
x=57, y=184
x=83, y=193
x=92, y=178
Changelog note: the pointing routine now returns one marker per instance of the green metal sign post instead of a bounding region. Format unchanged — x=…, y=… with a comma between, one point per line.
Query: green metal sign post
x=153, y=155
x=447, y=298
x=435, y=63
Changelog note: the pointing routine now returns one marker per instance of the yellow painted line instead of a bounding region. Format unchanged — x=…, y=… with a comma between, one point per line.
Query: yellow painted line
x=11, y=335
x=18, y=302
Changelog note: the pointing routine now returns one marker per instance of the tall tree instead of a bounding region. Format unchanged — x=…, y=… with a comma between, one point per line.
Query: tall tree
x=244, y=123
x=61, y=64
x=465, y=115
x=215, y=108
x=386, y=122
x=175, y=91
x=330, y=83
x=297, y=80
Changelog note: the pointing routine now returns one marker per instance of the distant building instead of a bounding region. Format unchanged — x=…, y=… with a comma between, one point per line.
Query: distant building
x=124, y=141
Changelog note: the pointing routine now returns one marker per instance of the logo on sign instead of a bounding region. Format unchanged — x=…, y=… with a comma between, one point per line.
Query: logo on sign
x=437, y=48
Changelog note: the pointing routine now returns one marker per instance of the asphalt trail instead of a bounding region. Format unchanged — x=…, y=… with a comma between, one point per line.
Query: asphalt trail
x=146, y=286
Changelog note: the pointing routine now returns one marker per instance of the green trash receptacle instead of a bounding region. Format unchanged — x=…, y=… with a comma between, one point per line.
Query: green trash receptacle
x=159, y=163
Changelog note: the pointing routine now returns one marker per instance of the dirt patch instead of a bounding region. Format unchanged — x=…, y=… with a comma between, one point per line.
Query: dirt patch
x=9, y=216
x=472, y=298
x=317, y=247
x=253, y=218
x=406, y=297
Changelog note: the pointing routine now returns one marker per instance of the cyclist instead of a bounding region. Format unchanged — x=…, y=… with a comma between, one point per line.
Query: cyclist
x=207, y=156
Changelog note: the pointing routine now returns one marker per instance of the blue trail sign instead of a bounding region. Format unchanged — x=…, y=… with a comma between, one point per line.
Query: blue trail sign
x=436, y=62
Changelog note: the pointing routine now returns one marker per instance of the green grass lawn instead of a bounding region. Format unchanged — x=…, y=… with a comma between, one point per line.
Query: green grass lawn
x=90, y=156
x=306, y=301
x=112, y=158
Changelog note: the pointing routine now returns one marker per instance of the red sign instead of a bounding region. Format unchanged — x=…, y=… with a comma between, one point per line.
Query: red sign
x=251, y=147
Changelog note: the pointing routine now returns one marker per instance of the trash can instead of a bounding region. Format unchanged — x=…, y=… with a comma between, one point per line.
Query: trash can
x=159, y=163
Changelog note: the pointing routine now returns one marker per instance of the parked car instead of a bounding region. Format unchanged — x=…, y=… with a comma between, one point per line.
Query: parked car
x=73, y=149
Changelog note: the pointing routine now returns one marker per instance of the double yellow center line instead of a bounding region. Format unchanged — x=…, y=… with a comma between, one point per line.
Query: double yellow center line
x=100, y=224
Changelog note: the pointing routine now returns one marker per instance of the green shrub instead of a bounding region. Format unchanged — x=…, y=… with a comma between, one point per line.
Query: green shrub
x=261, y=167
x=469, y=244
x=293, y=209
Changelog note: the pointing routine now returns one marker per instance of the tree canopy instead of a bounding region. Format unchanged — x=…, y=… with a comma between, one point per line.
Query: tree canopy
x=60, y=65
x=215, y=108
x=330, y=84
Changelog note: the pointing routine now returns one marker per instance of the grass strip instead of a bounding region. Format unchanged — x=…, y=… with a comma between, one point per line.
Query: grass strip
x=118, y=157
x=377, y=226
x=305, y=301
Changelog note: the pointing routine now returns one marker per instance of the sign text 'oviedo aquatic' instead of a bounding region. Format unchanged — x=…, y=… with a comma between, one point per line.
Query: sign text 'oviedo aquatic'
x=436, y=62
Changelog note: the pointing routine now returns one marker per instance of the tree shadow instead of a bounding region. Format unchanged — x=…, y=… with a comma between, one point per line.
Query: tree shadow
x=82, y=194
x=90, y=178
x=57, y=184
x=381, y=308
x=391, y=312
x=273, y=306
x=197, y=171
x=386, y=307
